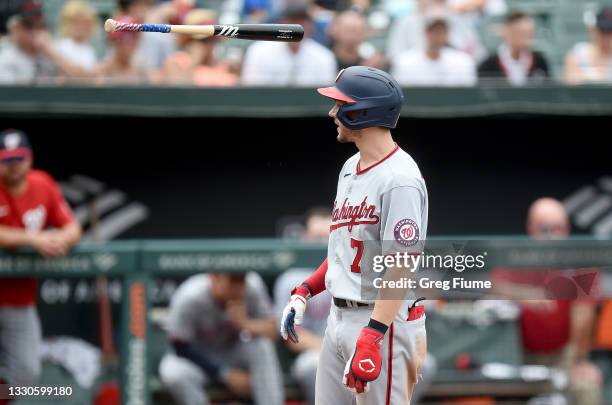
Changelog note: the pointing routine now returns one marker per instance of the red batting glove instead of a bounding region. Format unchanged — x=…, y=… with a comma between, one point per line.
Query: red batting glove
x=365, y=363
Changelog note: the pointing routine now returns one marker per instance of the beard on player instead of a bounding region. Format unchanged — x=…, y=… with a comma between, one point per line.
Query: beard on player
x=346, y=135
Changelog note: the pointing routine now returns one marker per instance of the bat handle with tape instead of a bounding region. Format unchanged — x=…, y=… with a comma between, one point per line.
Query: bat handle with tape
x=117, y=26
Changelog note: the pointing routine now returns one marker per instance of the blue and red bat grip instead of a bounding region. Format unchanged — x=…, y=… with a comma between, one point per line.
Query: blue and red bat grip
x=165, y=28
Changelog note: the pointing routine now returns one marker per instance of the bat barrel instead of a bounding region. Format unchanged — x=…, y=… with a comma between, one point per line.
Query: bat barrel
x=262, y=32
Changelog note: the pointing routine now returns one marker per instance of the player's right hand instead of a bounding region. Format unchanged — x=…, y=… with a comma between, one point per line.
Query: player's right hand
x=365, y=363
x=293, y=314
x=48, y=244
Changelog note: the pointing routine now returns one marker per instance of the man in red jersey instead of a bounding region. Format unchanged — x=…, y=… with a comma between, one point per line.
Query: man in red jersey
x=33, y=213
x=554, y=332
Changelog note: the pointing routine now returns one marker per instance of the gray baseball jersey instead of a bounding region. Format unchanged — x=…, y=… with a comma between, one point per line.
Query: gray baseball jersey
x=380, y=210
x=195, y=317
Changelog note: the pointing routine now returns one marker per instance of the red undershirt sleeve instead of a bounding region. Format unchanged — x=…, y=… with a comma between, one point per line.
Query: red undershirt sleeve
x=316, y=281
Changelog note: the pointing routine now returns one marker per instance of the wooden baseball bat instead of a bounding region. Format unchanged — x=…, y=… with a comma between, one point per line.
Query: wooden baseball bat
x=259, y=32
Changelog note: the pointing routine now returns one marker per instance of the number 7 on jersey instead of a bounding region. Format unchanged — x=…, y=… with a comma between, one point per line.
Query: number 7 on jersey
x=356, y=266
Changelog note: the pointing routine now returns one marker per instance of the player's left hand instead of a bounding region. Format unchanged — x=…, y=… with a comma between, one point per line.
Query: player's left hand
x=365, y=363
x=237, y=313
x=293, y=314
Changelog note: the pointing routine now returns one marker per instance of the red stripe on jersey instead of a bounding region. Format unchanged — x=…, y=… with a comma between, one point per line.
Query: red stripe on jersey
x=333, y=227
x=359, y=171
x=390, y=365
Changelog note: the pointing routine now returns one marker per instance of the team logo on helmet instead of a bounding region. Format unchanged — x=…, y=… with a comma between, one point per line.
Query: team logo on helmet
x=339, y=74
x=12, y=140
x=406, y=232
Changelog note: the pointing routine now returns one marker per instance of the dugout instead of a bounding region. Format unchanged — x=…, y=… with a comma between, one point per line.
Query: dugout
x=141, y=343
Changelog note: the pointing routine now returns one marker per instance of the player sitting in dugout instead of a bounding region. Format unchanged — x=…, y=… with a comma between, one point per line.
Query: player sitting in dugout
x=222, y=330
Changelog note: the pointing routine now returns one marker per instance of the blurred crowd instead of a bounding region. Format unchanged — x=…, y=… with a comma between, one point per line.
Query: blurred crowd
x=423, y=43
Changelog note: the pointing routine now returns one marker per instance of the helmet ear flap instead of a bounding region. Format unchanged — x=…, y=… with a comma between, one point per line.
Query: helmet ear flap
x=348, y=118
x=352, y=118
x=357, y=119
x=352, y=114
x=355, y=114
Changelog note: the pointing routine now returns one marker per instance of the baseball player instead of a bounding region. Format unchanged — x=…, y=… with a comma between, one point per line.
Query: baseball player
x=30, y=203
x=221, y=328
x=373, y=346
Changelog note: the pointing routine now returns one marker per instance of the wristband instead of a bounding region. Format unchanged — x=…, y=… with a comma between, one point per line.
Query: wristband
x=302, y=290
x=378, y=326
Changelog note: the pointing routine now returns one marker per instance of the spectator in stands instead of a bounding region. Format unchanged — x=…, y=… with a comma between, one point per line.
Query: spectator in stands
x=555, y=333
x=436, y=64
x=120, y=66
x=153, y=48
x=304, y=369
x=7, y=10
x=195, y=63
x=255, y=11
x=592, y=62
x=515, y=61
x=32, y=204
x=221, y=329
x=464, y=19
x=323, y=13
x=348, y=33
x=170, y=12
x=21, y=59
x=304, y=63
x=29, y=56
x=317, y=7
x=78, y=22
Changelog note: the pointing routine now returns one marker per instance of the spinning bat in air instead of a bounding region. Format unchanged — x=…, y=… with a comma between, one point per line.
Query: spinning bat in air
x=258, y=32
